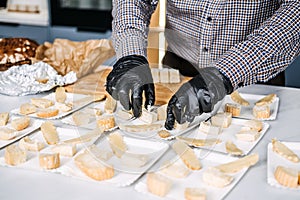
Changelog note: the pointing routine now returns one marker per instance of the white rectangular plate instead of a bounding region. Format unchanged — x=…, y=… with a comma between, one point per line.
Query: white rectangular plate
x=275, y=160
x=124, y=175
x=71, y=97
x=32, y=162
x=194, y=179
x=34, y=124
x=246, y=111
x=229, y=134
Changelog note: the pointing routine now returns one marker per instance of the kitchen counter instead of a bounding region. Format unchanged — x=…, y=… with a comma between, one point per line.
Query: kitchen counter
x=25, y=184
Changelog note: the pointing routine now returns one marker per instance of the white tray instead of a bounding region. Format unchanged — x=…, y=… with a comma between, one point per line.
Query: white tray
x=194, y=179
x=229, y=134
x=34, y=124
x=32, y=162
x=71, y=97
x=124, y=176
x=246, y=111
x=275, y=160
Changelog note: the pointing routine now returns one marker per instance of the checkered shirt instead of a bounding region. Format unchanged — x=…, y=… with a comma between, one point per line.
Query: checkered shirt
x=247, y=40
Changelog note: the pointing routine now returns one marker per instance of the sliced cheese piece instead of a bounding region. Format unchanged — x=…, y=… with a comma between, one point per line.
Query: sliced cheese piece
x=4, y=118
x=187, y=155
x=49, y=133
x=148, y=117
x=64, y=107
x=49, y=161
x=237, y=98
x=68, y=150
x=106, y=122
x=60, y=95
x=7, y=133
x=261, y=112
x=94, y=167
x=239, y=164
x=199, y=142
x=117, y=144
x=208, y=128
x=20, y=123
x=134, y=160
x=266, y=100
x=286, y=176
x=164, y=133
x=232, y=149
x=195, y=194
x=41, y=102
x=247, y=134
x=282, y=150
x=45, y=113
x=31, y=145
x=222, y=119
x=158, y=184
x=234, y=109
x=174, y=169
x=181, y=127
x=14, y=155
x=139, y=128
x=27, y=108
x=214, y=177
x=254, y=124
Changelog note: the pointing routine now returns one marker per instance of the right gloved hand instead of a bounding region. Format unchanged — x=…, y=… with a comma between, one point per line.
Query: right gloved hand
x=130, y=77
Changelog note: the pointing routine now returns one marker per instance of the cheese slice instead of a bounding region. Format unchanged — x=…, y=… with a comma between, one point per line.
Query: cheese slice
x=14, y=155
x=231, y=148
x=221, y=119
x=158, y=184
x=187, y=155
x=236, y=97
x=86, y=137
x=31, y=145
x=49, y=133
x=99, y=153
x=174, y=76
x=266, y=100
x=27, y=108
x=117, y=144
x=162, y=112
x=80, y=118
x=282, y=150
x=214, y=177
x=164, y=75
x=42, y=102
x=134, y=160
x=237, y=165
x=254, y=124
x=64, y=107
x=49, y=161
x=247, y=134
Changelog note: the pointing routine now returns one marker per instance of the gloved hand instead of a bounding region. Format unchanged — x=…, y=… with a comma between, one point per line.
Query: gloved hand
x=131, y=76
x=198, y=95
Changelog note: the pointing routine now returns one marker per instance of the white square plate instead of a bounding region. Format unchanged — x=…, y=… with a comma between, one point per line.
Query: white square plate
x=246, y=111
x=71, y=97
x=274, y=160
x=229, y=134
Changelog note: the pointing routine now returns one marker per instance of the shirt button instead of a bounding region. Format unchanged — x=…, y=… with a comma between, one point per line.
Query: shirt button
x=209, y=19
x=205, y=49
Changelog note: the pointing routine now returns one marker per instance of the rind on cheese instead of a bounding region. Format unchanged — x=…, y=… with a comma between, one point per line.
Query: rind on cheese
x=20, y=123
x=49, y=161
x=284, y=151
x=286, y=176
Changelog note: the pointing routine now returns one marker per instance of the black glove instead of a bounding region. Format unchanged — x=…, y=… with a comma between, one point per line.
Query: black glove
x=198, y=95
x=131, y=75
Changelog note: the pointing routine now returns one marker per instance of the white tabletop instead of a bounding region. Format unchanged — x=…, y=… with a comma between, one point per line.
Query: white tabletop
x=25, y=184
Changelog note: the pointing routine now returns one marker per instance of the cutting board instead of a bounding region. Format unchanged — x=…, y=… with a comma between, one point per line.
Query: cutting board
x=94, y=84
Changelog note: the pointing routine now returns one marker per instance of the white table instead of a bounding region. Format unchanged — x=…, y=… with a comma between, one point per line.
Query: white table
x=25, y=184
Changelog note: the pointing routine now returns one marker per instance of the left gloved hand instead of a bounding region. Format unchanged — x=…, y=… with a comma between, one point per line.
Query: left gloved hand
x=198, y=95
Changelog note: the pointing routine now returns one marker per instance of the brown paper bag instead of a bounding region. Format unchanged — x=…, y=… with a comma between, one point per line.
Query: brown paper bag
x=81, y=57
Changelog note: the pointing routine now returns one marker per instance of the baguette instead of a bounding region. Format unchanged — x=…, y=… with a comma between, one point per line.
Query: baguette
x=110, y=104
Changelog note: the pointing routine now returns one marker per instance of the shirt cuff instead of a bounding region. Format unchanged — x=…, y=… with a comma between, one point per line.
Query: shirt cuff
x=131, y=46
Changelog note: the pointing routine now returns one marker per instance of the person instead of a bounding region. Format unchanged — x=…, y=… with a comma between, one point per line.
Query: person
x=224, y=45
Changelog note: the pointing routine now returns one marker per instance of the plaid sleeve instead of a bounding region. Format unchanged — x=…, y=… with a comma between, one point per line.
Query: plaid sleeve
x=267, y=51
x=130, y=21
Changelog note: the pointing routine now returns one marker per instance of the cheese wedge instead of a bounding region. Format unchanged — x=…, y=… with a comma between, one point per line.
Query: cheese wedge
x=45, y=113
x=30, y=145
x=148, y=117
x=222, y=119
x=110, y=104
x=20, y=123
x=117, y=144
x=286, y=176
x=214, y=177
x=49, y=161
x=232, y=149
x=282, y=150
x=106, y=122
x=49, y=133
x=4, y=118
x=60, y=94
x=7, y=133
x=254, y=124
x=158, y=184
x=164, y=133
x=27, y=108
x=247, y=134
x=187, y=155
x=14, y=155
x=261, y=112
x=237, y=98
x=237, y=165
x=42, y=102
x=162, y=112
x=234, y=109
x=208, y=128
x=68, y=150
x=266, y=100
